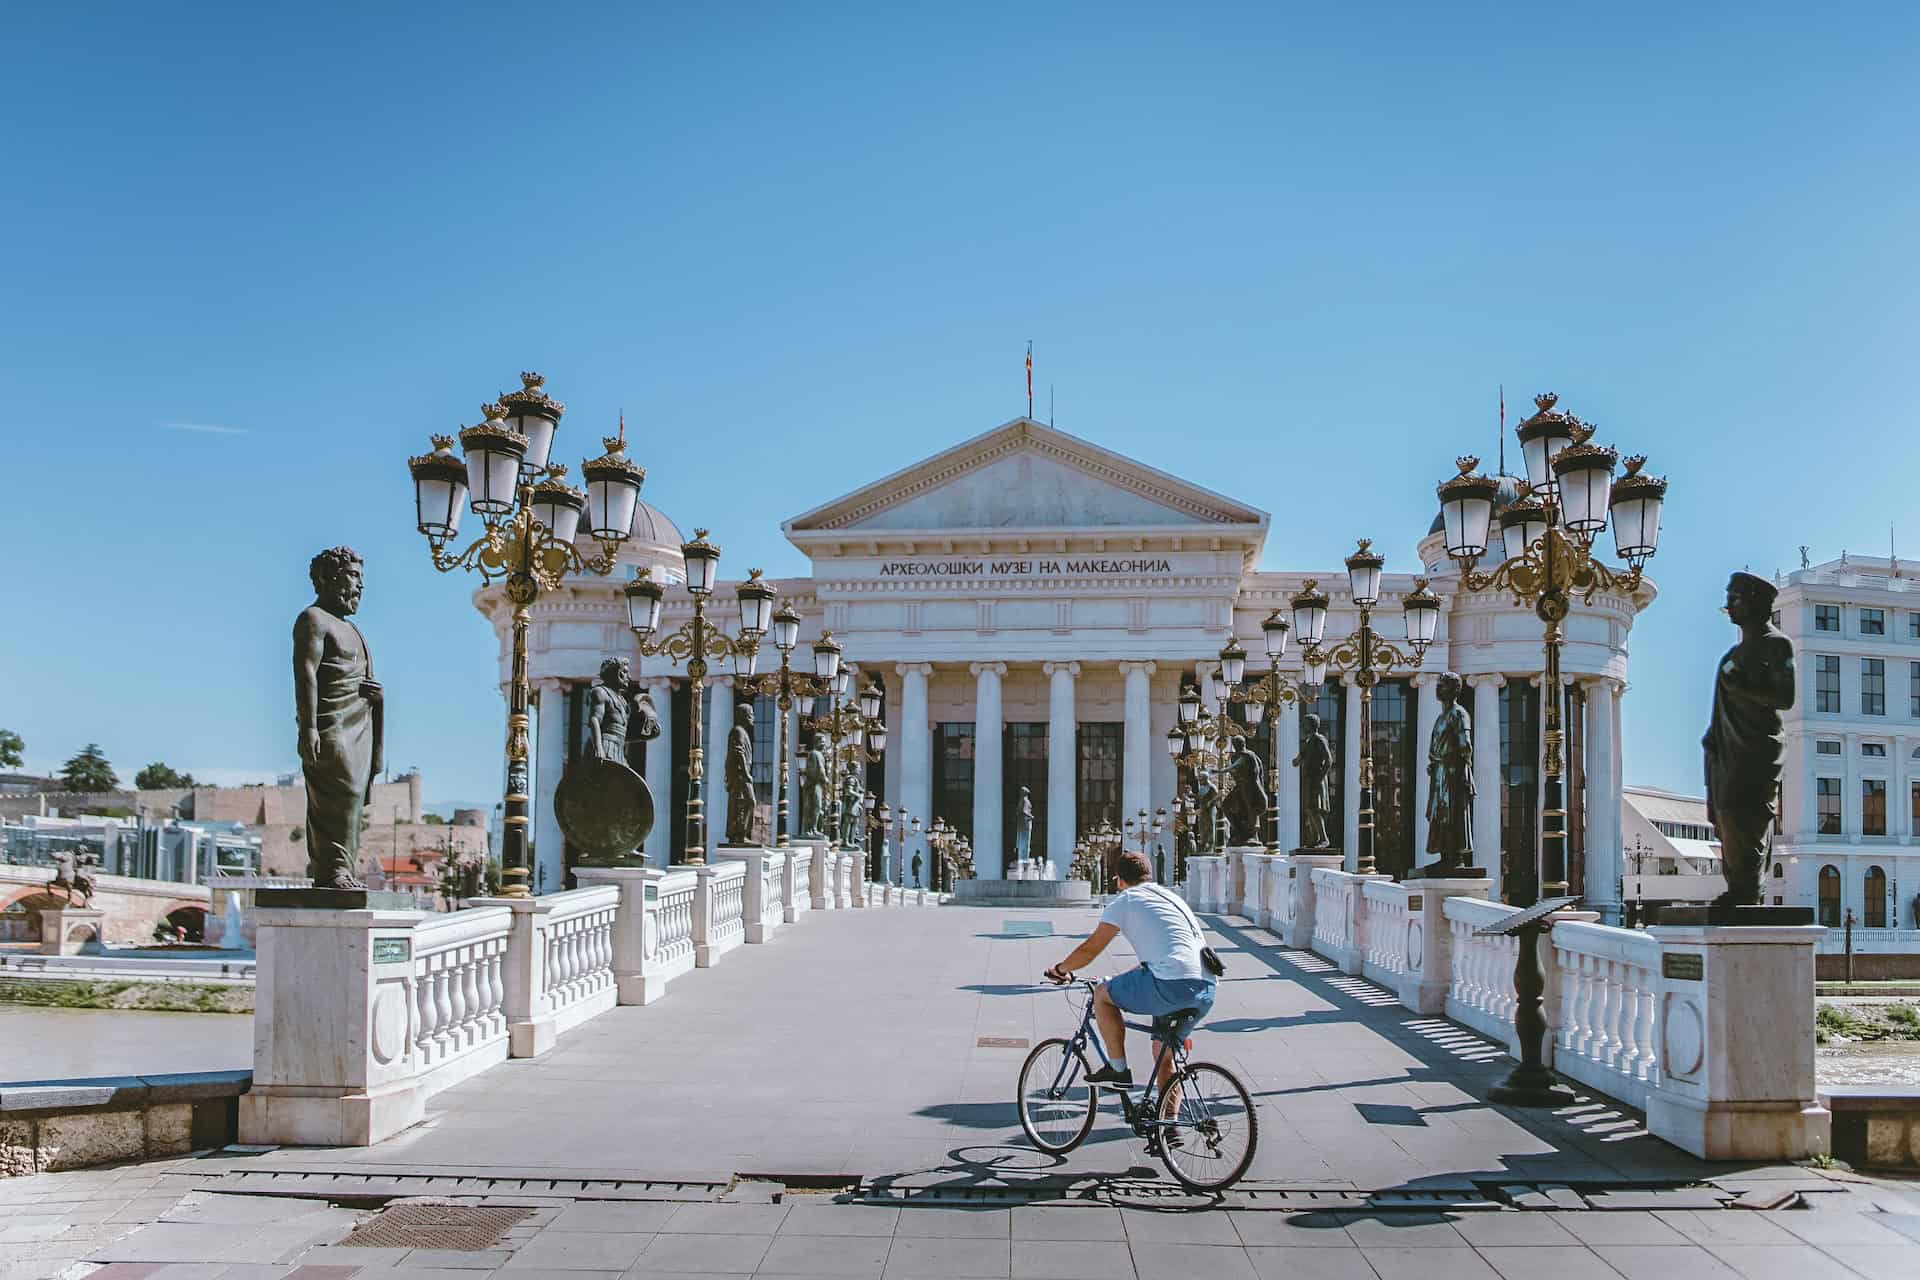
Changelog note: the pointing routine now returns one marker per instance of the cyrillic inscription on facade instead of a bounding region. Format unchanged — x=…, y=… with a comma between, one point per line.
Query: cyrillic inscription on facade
x=1100, y=568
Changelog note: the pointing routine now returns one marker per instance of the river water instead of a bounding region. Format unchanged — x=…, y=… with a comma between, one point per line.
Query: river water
x=55, y=1044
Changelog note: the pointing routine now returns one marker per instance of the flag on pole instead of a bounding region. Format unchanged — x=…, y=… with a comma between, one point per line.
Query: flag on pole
x=1029, y=379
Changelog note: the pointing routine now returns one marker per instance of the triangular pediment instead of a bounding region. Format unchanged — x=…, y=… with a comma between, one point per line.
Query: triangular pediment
x=1024, y=475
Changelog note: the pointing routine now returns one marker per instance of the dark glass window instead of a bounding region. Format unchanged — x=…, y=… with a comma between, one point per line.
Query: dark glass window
x=1827, y=799
x=1826, y=617
x=1873, y=686
x=1873, y=806
x=1393, y=776
x=1826, y=683
x=1331, y=706
x=766, y=748
x=1914, y=802
x=1913, y=626
x=1830, y=897
x=1876, y=898
x=1025, y=765
x=1873, y=622
x=1827, y=747
x=1097, y=786
x=1913, y=689
x=1519, y=791
x=953, y=779
x=1876, y=750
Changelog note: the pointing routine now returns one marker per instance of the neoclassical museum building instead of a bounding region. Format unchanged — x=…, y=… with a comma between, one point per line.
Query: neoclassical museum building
x=1031, y=604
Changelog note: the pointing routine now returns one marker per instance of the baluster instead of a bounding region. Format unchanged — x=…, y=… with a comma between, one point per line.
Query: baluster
x=442, y=1006
x=469, y=1000
x=1627, y=1058
x=1608, y=1052
x=574, y=958
x=1647, y=1015
x=1576, y=1031
x=495, y=990
x=423, y=1014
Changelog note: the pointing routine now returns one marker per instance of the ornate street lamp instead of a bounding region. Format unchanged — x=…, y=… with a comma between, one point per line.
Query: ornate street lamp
x=1547, y=536
x=785, y=687
x=1268, y=693
x=849, y=730
x=1365, y=656
x=527, y=544
x=694, y=642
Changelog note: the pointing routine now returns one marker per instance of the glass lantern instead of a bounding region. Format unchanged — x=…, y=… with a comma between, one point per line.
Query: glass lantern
x=439, y=490
x=1636, y=502
x=534, y=414
x=1276, y=629
x=870, y=699
x=1233, y=664
x=826, y=659
x=1585, y=475
x=1466, y=510
x=643, y=604
x=1310, y=613
x=756, y=604
x=786, y=628
x=558, y=505
x=1363, y=574
x=1542, y=437
x=703, y=562
x=1189, y=704
x=613, y=492
x=1422, y=610
x=1522, y=524
x=493, y=451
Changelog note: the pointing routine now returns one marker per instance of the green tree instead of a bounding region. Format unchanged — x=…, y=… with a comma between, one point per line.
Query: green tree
x=11, y=749
x=89, y=771
x=160, y=776
x=433, y=820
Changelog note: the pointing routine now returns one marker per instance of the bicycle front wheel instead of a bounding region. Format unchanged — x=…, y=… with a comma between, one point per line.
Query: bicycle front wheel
x=1056, y=1102
x=1208, y=1128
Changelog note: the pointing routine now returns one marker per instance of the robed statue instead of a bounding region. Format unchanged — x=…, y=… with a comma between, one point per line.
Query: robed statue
x=1745, y=744
x=1246, y=802
x=853, y=812
x=1023, y=826
x=1315, y=763
x=1450, y=780
x=337, y=704
x=813, y=793
x=916, y=871
x=1185, y=843
x=741, y=800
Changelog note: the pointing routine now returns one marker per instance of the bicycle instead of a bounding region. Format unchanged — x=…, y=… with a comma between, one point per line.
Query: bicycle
x=1193, y=1126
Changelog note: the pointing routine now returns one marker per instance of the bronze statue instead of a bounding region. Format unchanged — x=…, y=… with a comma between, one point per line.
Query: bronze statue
x=1315, y=762
x=741, y=800
x=853, y=811
x=916, y=871
x=607, y=703
x=338, y=705
x=1023, y=826
x=1246, y=800
x=813, y=793
x=1184, y=843
x=70, y=875
x=1207, y=807
x=1450, y=770
x=1745, y=744
x=643, y=726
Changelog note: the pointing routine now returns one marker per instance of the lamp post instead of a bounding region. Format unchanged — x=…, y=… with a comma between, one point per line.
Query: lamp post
x=1366, y=656
x=786, y=686
x=848, y=729
x=694, y=642
x=1198, y=742
x=1547, y=536
x=1265, y=695
x=531, y=517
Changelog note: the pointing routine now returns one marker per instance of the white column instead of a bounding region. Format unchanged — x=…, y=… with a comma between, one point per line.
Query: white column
x=989, y=800
x=1486, y=775
x=1062, y=757
x=916, y=758
x=1286, y=744
x=1350, y=792
x=550, y=761
x=1136, y=764
x=714, y=758
x=892, y=709
x=659, y=844
x=1426, y=713
x=1602, y=887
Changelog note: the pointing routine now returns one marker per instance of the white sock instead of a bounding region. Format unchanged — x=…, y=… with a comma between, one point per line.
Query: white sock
x=1120, y=1065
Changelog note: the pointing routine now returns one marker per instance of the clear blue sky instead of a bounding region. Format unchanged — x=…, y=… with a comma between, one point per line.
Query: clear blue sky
x=256, y=256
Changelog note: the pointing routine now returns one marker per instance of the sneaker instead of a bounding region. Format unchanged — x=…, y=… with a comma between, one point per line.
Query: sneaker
x=1108, y=1076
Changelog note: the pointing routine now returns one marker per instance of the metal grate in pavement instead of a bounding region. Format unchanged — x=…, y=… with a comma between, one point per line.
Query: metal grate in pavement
x=357, y=1187
x=1001, y=1042
x=466, y=1228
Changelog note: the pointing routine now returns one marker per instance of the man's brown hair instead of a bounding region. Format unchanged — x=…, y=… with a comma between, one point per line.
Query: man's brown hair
x=1132, y=868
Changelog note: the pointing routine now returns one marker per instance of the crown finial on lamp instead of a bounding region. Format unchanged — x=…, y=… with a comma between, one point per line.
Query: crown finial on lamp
x=1545, y=401
x=1466, y=462
x=1633, y=463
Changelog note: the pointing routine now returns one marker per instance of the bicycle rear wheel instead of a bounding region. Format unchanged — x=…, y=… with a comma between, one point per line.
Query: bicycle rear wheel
x=1056, y=1102
x=1209, y=1128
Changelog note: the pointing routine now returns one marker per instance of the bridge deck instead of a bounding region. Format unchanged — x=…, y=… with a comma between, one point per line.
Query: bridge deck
x=851, y=1045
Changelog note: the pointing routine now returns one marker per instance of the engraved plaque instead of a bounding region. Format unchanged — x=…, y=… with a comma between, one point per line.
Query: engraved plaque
x=1683, y=966
x=392, y=950
x=1413, y=902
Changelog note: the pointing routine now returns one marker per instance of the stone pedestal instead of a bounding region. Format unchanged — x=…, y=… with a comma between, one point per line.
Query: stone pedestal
x=796, y=884
x=1297, y=929
x=1430, y=941
x=762, y=913
x=1206, y=875
x=717, y=929
x=642, y=964
x=821, y=865
x=334, y=1062
x=1259, y=865
x=1735, y=1018
x=69, y=931
x=843, y=878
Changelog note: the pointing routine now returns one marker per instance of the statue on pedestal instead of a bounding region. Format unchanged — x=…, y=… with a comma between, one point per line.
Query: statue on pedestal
x=1246, y=801
x=853, y=811
x=1450, y=773
x=1023, y=826
x=813, y=792
x=1207, y=808
x=916, y=871
x=607, y=708
x=1745, y=744
x=741, y=801
x=1315, y=762
x=70, y=874
x=338, y=707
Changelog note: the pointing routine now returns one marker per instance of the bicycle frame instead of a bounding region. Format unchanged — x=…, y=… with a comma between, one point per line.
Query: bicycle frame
x=1142, y=1116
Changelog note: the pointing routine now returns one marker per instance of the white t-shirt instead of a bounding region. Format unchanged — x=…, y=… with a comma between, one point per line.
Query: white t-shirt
x=1157, y=927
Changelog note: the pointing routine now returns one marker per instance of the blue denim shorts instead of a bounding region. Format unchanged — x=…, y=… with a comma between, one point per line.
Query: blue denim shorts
x=1138, y=991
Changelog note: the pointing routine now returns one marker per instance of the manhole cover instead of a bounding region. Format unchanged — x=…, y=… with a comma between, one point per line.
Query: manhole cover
x=434, y=1226
x=1001, y=1042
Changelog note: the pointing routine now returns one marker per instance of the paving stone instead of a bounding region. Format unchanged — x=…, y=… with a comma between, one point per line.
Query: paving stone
x=1664, y=1262
x=646, y=1216
x=458, y=1259
x=202, y=1242
x=1394, y=1262
x=1283, y=1262
x=727, y=1219
x=840, y=1220
x=1403, y=1230
x=827, y=1255
x=1510, y=1230
x=1726, y=1226
x=1179, y=1228
x=955, y=1224
x=579, y=1251
x=1062, y=1222
x=1818, y=1227
x=1071, y=1259
x=1631, y=1227
x=1299, y=1230
x=1154, y=1260
x=697, y=1253
x=1879, y=1261
x=935, y=1256
x=1787, y=1262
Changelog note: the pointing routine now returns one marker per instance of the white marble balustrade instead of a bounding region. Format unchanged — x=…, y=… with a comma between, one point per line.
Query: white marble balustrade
x=1253, y=898
x=1608, y=983
x=719, y=911
x=1481, y=993
x=796, y=888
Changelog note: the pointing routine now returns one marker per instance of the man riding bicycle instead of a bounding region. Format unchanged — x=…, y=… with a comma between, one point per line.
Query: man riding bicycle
x=1171, y=976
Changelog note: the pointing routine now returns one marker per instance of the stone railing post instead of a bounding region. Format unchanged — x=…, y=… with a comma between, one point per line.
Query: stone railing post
x=766, y=870
x=1253, y=898
x=1430, y=942
x=1735, y=1017
x=796, y=891
x=629, y=923
x=530, y=1030
x=1298, y=931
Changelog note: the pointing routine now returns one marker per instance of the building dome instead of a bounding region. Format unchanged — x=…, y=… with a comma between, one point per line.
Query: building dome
x=654, y=544
x=1508, y=494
